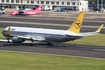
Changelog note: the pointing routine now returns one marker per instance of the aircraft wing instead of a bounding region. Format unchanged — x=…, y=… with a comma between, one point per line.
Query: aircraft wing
x=92, y=33
x=29, y=37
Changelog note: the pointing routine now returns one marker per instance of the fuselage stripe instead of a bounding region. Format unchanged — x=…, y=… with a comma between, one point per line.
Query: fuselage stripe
x=34, y=33
x=39, y=33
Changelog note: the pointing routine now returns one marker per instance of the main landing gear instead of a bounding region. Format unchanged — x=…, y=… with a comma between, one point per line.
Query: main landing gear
x=33, y=44
x=50, y=43
x=22, y=15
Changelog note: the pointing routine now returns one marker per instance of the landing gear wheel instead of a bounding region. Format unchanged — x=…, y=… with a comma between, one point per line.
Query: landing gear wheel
x=50, y=43
x=16, y=15
x=27, y=15
x=8, y=41
x=33, y=44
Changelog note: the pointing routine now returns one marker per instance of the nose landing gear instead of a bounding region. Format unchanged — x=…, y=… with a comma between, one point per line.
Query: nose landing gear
x=33, y=43
x=8, y=40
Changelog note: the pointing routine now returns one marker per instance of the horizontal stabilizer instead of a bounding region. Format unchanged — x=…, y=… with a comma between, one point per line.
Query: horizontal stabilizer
x=92, y=33
x=89, y=33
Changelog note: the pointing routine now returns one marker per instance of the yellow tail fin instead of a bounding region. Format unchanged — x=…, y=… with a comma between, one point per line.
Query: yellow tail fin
x=76, y=26
x=8, y=33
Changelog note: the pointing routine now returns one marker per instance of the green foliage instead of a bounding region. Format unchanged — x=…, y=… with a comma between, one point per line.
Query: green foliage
x=91, y=40
x=1, y=36
x=91, y=1
x=23, y=61
x=95, y=1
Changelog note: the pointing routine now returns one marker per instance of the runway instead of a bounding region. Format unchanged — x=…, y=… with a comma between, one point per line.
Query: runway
x=60, y=49
x=63, y=49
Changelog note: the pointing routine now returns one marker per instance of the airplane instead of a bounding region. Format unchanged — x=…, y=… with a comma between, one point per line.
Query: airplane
x=26, y=13
x=21, y=34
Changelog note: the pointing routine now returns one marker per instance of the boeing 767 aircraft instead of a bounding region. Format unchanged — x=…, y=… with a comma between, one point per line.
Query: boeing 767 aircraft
x=21, y=34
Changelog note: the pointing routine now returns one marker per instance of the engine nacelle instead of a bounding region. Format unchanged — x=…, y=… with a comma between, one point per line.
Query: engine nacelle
x=17, y=40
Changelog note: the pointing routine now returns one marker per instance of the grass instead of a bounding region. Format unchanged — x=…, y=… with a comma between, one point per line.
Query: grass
x=1, y=36
x=26, y=61
x=91, y=40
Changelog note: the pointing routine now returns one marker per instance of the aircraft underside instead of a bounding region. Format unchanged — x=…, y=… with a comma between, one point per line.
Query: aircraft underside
x=20, y=15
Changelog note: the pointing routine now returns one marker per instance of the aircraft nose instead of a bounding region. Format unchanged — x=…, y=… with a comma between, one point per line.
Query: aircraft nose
x=3, y=33
x=11, y=14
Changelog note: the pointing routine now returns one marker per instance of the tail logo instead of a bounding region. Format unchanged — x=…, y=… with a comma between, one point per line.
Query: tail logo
x=77, y=24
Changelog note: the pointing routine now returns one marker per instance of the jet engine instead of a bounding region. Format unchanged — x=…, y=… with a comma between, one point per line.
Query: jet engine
x=17, y=40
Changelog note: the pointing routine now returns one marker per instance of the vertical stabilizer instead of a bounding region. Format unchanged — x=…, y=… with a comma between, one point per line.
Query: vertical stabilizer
x=76, y=26
x=39, y=8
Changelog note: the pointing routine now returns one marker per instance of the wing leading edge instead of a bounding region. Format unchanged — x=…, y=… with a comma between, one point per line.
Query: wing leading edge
x=37, y=38
x=92, y=33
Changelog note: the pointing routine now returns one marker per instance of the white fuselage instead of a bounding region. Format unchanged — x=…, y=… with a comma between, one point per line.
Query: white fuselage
x=51, y=35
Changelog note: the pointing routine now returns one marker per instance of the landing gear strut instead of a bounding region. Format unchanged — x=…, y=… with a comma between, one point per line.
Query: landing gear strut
x=33, y=44
x=22, y=15
x=8, y=40
x=49, y=43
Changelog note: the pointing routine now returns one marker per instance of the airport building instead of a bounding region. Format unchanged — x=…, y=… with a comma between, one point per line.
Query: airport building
x=73, y=4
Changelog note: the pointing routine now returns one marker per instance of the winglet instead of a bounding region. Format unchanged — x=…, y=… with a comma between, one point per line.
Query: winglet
x=8, y=33
x=100, y=28
x=76, y=26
